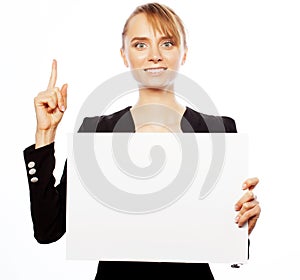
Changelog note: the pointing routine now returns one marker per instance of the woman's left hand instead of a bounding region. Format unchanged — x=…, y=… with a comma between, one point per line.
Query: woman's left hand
x=248, y=206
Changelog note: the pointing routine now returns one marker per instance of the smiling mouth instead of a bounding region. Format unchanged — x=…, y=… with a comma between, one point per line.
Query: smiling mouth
x=155, y=70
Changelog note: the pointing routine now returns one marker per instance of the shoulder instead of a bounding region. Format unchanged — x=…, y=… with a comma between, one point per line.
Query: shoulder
x=201, y=122
x=104, y=123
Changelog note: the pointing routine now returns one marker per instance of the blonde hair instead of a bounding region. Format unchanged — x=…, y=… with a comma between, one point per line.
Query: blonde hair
x=162, y=19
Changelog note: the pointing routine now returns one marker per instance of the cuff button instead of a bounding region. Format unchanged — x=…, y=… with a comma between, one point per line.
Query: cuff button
x=32, y=171
x=31, y=164
x=34, y=179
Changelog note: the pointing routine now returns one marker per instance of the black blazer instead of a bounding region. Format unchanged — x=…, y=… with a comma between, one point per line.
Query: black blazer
x=48, y=203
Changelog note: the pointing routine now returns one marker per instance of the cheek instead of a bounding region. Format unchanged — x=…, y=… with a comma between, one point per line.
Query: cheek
x=137, y=59
x=174, y=60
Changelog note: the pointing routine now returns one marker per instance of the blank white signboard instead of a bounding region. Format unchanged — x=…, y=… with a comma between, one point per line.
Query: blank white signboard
x=143, y=218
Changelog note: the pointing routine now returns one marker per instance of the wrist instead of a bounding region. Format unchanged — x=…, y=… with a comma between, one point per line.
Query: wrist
x=44, y=137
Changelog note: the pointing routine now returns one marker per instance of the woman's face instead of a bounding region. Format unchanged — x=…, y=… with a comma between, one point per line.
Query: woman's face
x=153, y=58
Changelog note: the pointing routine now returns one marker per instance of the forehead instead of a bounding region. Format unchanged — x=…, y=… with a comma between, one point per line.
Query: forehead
x=139, y=26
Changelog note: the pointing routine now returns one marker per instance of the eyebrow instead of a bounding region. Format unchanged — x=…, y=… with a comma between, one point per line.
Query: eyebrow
x=147, y=39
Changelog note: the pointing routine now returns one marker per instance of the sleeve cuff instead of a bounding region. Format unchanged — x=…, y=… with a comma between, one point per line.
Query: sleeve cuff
x=37, y=158
x=32, y=151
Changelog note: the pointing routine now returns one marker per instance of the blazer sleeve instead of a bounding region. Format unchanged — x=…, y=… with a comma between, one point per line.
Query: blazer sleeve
x=47, y=202
x=229, y=124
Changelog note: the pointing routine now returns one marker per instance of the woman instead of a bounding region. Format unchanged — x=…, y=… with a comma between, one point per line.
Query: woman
x=153, y=47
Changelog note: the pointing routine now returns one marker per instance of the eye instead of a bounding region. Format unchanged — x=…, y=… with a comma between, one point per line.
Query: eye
x=168, y=44
x=140, y=45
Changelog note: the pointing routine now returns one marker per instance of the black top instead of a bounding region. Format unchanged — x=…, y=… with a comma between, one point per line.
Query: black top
x=48, y=203
x=191, y=121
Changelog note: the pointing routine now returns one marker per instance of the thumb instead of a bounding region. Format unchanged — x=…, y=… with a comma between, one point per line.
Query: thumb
x=64, y=96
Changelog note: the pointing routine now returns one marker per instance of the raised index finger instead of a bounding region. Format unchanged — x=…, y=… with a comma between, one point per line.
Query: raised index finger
x=53, y=76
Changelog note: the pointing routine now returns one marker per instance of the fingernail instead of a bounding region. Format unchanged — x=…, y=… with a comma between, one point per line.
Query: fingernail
x=62, y=108
x=236, y=207
x=244, y=186
x=237, y=219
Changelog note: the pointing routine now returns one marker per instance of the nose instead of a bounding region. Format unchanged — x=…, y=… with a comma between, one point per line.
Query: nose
x=155, y=55
x=155, y=59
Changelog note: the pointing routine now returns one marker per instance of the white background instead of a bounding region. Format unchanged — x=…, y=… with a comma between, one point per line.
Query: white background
x=245, y=54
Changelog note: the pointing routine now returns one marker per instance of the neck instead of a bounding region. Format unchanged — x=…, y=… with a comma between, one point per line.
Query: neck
x=164, y=96
x=157, y=118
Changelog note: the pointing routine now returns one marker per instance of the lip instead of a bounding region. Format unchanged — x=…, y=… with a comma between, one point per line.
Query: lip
x=155, y=70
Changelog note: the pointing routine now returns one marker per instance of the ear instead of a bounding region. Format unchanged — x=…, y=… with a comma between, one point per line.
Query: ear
x=124, y=57
x=184, y=56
